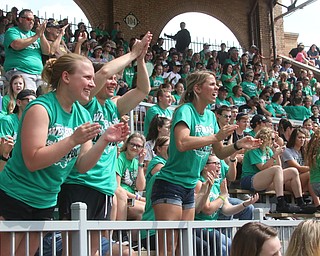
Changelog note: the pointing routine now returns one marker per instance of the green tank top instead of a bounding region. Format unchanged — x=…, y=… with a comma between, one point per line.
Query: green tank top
x=39, y=189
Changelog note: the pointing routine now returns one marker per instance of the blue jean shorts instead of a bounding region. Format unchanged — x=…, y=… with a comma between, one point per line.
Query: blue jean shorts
x=164, y=192
x=247, y=183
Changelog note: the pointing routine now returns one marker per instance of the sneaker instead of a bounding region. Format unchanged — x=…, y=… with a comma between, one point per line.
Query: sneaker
x=308, y=209
x=125, y=240
x=288, y=208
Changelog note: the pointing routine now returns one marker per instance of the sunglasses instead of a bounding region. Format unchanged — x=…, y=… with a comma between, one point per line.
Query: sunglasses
x=226, y=116
x=28, y=19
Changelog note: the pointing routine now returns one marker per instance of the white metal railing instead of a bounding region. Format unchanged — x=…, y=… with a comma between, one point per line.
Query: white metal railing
x=137, y=116
x=80, y=229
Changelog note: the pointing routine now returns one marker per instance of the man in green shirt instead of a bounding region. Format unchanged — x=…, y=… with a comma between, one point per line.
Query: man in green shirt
x=23, y=49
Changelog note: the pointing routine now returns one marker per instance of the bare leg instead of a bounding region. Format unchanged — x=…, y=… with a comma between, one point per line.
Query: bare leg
x=292, y=181
x=167, y=212
x=269, y=178
x=121, y=204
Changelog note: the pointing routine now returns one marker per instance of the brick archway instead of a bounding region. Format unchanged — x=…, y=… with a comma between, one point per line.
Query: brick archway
x=154, y=15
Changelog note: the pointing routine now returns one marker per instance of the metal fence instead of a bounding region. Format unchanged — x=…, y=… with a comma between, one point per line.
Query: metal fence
x=78, y=231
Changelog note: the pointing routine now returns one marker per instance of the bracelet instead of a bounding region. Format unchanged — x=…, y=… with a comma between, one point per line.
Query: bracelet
x=236, y=147
x=5, y=159
x=222, y=198
x=244, y=205
x=232, y=160
x=141, y=165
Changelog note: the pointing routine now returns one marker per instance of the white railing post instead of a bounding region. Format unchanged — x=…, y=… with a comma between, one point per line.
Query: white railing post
x=79, y=238
x=187, y=240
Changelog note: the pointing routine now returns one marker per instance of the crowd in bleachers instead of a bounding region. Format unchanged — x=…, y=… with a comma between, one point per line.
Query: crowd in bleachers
x=226, y=103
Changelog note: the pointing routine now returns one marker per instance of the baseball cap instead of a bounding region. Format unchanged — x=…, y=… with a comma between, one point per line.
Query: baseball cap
x=206, y=44
x=223, y=88
x=177, y=63
x=241, y=115
x=22, y=95
x=53, y=24
x=258, y=119
x=97, y=47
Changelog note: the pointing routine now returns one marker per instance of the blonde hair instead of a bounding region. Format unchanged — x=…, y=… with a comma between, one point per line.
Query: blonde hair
x=196, y=78
x=54, y=68
x=312, y=150
x=265, y=134
x=305, y=239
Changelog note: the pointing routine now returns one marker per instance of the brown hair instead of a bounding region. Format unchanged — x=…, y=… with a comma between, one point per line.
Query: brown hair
x=54, y=68
x=12, y=102
x=250, y=238
x=134, y=135
x=160, y=142
x=312, y=150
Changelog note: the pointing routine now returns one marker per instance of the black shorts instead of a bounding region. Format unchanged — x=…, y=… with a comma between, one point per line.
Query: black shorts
x=98, y=204
x=13, y=209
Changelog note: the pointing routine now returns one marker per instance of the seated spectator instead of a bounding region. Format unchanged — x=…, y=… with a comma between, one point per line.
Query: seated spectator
x=285, y=129
x=249, y=89
x=155, y=165
x=313, y=54
x=108, y=53
x=164, y=100
x=251, y=107
x=303, y=58
x=16, y=85
x=221, y=99
x=263, y=240
x=297, y=111
x=315, y=114
x=10, y=123
x=293, y=157
x=97, y=55
x=262, y=170
x=275, y=108
x=229, y=78
x=54, y=33
x=305, y=239
x=237, y=97
x=159, y=126
x=306, y=88
x=130, y=178
x=217, y=201
x=178, y=92
x=286, y=93
x=174, y=76
x=156, y=78
x=23, y=49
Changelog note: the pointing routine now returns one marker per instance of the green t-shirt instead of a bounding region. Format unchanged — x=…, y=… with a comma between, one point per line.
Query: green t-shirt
x=229, y=85
x=252, y=158
x=214, y=193
x=9, y=126
x=154, y=161
x=249, y=88
x=271, y=109
x=128, y=171
x=296, y=112
x=183, y=168
x=5, y=103
x=128, y=75
x=40, y=188
x=278, y=109
x=220, y=102
x=238, y=101
x=27, y=60
x=155, y=83
x=177, y=97
x=315, y=171
x=307, y=90
x=102, y=176
x=152, y=112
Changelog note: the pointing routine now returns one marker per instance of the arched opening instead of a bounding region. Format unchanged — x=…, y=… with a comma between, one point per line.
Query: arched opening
x=203, y=28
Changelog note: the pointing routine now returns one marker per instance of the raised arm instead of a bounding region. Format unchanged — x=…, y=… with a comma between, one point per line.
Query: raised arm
x=116, y=65
x=45, y=46
x=133, y=97
x=54, y=47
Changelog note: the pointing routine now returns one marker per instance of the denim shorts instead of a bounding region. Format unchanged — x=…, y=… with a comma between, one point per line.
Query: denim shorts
x=316, y=188
x=164, y=192
x=247, y=183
